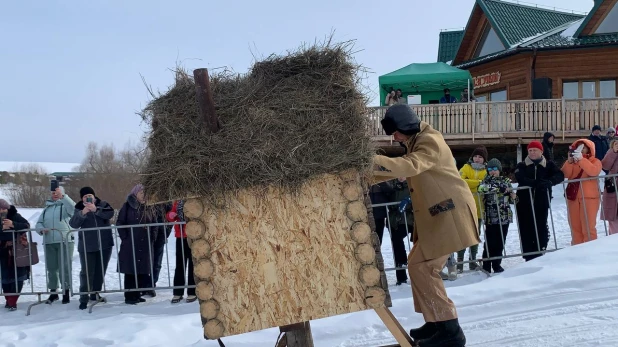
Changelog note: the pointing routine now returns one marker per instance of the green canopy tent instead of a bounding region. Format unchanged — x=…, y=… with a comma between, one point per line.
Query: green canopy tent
x=428, y=80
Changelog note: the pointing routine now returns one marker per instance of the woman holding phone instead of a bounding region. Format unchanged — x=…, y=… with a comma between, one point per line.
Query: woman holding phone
x=94, y=246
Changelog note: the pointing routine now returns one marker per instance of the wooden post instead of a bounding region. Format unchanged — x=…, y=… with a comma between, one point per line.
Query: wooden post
x=402, y=337
x=205, y=100
x=563, y=114
x=296, y=335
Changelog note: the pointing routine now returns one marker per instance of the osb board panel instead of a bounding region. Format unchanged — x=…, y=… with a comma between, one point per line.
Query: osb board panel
x=280, y=259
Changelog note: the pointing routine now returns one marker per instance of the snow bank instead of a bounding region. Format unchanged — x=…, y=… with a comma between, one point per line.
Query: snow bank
x=565, y=298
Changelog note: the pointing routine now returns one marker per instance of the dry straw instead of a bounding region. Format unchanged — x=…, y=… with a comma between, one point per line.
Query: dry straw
x=289, y=119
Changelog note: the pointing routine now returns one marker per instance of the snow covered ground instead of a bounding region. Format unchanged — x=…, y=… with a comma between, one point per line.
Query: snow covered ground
x=566, y=298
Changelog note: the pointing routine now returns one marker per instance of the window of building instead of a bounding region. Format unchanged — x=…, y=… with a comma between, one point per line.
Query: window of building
x=499, y=95
x=589, y=89
x=610, y=23
x=570, y=90
x=607, y=89
x=490, y=43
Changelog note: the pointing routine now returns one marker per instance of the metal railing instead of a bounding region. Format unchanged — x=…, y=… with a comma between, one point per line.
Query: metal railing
x=112, y=284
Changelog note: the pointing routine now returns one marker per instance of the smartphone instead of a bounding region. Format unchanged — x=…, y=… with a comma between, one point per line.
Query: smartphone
x=54, y=185
x=2, y=217
x=89, y=200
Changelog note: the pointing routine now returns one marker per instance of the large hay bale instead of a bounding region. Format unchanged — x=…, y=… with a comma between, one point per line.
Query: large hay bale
x=287, y=120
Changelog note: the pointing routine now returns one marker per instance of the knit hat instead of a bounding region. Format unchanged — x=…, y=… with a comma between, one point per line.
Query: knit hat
x=495, y=163
x=611, y=130
x=596, y=127
x=138, y=188
x=482, y=151
x=4, y=205
x=535, y=144
x=86, y=191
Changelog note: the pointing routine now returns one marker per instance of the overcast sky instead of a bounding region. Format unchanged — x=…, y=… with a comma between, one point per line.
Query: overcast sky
x=70, y=70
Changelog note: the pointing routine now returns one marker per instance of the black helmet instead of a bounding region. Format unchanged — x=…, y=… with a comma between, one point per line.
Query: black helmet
x=401, y=118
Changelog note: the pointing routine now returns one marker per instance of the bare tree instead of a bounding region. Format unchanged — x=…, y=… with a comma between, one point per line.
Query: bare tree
x=30, y=186
x=110, y=172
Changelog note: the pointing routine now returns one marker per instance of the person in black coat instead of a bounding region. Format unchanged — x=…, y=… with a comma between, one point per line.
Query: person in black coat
x=136, y=250
x=548, y=146
x=381, y=194
x=94, y=246
x=12, y=277
x=600, y=142
x=540, y=174
x=163, y=233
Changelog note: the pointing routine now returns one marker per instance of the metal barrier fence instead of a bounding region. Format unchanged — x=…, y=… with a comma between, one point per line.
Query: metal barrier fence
x=148, y=282
x=95, y=280
x=586, y=202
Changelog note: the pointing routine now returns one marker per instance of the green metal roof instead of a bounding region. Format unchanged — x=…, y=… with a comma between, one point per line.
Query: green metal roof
x=516, y=23
x=449, y=44
x=597, y=4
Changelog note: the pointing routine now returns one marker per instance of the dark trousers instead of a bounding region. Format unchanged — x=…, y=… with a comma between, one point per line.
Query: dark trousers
x=132, y=281
x=494, y=245
x=183, y=260
x=399, y=251
x=157, y=255
x=92, y=274
x=11, y=300
x=380, y=224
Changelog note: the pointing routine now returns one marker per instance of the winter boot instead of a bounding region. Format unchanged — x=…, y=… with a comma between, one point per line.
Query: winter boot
x=83, y=305
x=498, y=269
x=452, y=273
x=66, y=298
x=487, y=266
x=97, y=298
x=424, y=332
x=52, y=298
x=449, y=334
x=444, y=275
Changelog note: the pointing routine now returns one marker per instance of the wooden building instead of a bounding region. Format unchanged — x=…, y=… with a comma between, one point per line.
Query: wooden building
x=535, y=70
x=517, y=52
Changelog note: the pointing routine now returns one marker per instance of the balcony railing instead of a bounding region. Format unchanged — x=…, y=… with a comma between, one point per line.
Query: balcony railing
x=538, y=116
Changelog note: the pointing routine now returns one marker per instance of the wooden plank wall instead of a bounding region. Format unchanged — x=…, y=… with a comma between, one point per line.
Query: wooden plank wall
x=579, y=64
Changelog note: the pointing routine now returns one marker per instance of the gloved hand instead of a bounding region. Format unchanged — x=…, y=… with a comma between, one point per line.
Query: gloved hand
x=404, y=204
x=577, y=156
x=483, y=188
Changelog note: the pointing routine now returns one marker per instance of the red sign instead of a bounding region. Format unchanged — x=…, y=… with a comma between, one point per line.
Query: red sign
x=487, y=80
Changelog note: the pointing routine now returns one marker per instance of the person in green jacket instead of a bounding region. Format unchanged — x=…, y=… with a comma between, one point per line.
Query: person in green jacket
x=53, y=225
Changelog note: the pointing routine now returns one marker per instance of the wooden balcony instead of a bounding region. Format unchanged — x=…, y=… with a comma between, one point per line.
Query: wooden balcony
x=508, y=122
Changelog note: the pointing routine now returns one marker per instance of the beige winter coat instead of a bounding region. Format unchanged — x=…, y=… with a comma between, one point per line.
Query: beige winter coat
x=444, y=210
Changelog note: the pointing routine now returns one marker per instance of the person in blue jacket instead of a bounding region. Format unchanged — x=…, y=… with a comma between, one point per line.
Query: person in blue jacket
x=53, y=225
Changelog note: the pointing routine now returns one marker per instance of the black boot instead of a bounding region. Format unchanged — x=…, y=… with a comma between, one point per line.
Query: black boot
x=424, y=332
x=52, y=298
x=449, y=334
x=66, y=298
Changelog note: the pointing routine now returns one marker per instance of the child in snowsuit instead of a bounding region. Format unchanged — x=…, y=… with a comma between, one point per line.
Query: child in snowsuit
x=583, y=198
x=473, y=173
x=497, y=198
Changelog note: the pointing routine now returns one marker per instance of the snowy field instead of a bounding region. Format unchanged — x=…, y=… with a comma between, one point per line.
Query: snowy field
x=566, y=298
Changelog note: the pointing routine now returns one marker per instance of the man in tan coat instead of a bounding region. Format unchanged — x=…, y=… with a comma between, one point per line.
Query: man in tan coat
x=445, y=217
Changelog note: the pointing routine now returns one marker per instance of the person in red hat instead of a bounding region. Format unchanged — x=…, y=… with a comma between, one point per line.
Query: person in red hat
x=535, y=175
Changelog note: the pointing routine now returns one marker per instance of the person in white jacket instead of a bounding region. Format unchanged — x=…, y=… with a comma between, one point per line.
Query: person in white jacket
x=53, y=225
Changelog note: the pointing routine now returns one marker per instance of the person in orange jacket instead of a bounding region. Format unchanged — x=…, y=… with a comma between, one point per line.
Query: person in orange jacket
x=583, y=198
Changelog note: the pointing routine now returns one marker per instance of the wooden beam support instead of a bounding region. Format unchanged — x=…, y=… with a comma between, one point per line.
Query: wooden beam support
x=394, y=327
x=205, y=100
x=296, y=335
